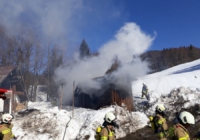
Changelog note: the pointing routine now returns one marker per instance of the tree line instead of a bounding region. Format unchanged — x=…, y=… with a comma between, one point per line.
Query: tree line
x=169, y=57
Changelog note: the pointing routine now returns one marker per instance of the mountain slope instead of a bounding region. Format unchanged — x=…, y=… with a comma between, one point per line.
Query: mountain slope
x=161, y=83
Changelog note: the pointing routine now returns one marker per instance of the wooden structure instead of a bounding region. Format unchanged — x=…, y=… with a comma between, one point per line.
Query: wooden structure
x=109, y=94
x=10, y=79
x=118, y=96
x=126, y=100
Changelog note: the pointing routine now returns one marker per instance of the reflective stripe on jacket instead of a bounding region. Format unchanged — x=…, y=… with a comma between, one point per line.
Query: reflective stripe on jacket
x=107, y=134
x=6, y=132
x=180, y=132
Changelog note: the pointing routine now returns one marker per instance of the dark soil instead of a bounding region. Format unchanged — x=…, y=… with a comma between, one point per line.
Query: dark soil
x=145, y=133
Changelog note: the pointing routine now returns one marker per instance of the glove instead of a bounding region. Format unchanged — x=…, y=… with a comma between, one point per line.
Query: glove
x=115, y=124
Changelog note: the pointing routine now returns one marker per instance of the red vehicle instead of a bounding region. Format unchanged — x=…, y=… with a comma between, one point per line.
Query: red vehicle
x=2, y=93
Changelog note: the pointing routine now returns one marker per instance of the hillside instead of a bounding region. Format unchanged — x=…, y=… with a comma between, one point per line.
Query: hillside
x=169, y=57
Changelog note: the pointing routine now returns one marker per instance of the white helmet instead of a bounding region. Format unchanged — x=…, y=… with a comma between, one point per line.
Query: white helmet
x=186, y=117
x=109, y=117
x=160, y=108
x=6, y=118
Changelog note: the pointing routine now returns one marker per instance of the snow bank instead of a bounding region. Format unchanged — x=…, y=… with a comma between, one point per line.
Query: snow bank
x=43, y=121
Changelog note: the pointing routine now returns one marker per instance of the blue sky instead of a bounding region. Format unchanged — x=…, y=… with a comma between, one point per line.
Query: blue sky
x=173, y=23
x=176, y=22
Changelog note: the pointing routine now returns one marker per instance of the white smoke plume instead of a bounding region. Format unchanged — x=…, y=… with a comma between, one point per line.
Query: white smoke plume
x=55, y=21
x=128, y=42
x=52, y=21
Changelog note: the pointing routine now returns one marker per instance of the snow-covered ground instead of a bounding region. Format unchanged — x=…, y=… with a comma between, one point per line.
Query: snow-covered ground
x=45, y=122
x=180, y=84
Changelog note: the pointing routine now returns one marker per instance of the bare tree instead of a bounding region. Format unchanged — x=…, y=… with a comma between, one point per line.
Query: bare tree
x=55, y=60
x=35, y=63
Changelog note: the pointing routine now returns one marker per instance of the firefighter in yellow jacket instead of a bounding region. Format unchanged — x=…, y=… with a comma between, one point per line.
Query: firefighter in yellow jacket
x=6, y=127
x=159, y=123
x=183, y=121
x=107, y=132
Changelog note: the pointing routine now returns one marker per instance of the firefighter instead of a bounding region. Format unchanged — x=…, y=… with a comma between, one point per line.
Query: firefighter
x=145, y=91
x=107, y=132
x=183, y=121
x=6, y=127
x=159, y=123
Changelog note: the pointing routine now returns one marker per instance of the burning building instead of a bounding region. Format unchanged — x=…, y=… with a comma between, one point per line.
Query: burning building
x=110, y=93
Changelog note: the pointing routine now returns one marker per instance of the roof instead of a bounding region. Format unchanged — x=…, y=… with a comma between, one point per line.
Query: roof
x=4, y=71
x=2, y=91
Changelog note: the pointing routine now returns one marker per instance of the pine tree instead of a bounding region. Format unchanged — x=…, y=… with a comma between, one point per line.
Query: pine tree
x=84, y=50
x=55, y=60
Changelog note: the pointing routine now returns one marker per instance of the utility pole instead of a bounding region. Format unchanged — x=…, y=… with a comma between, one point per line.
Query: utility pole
x=13, y=98
x=48, y=76
x=61, y=95
x=73, y=100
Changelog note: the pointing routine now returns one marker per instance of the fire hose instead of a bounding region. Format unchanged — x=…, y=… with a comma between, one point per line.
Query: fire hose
x=66, y=127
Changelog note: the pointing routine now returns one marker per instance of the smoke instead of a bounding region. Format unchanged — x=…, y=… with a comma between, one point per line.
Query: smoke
x=62, y=21
x=55, y=21
x=52, y=21
x=129, y=42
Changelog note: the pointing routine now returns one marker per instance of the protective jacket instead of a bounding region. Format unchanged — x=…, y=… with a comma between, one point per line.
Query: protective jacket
x=180, y=132
x=6, y=132
x=161, y=127
x=107, y=134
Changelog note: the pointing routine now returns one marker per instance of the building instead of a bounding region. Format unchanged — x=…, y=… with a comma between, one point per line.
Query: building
x=108, y=94
x=5, y=104
x=11, y=80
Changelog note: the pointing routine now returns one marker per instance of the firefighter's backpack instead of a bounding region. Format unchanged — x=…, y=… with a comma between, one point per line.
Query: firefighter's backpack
x=153, y=121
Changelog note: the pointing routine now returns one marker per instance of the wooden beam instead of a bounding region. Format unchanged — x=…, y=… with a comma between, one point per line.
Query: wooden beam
x=13, y=99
